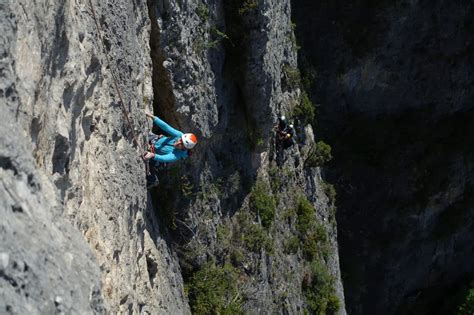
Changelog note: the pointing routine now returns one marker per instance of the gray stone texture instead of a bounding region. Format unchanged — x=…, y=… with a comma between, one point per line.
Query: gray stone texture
x=229, y=91
x=46, y=266
x=70, y=167
x=61, y=104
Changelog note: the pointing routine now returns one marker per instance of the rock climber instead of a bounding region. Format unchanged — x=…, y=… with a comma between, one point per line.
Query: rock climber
x=166, y=149
x=285, y=132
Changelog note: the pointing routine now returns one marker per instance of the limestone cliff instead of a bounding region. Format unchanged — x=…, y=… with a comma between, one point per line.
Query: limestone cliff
x=242, y=217
x=226, y=70
x=59, y=101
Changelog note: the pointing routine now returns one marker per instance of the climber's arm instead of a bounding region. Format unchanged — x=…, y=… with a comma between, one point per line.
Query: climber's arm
x=166, y=158
x=166, y=128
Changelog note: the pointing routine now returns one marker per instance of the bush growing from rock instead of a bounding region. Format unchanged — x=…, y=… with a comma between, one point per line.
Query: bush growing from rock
x=252, y=235
x=315, y=243
x=318, y=286
x=305, y=109
x=330, y=192
x=263, y=203
x=305, y=216
x=237, y=257
x=248, y=6
x=319, y=154
x=467, y=308
x=292, y=76
x=203, y=12
x=255, y=238
x=319, y=290
x=213, y=290
x=292, y=245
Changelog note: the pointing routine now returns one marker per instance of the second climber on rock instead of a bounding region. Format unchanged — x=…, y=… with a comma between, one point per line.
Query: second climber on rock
x=285, y=132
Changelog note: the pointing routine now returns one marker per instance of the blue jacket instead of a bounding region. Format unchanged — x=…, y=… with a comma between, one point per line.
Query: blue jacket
x=164, y=148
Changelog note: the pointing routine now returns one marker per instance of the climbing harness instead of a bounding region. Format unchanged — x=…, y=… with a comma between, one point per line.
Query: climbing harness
x=151, y=145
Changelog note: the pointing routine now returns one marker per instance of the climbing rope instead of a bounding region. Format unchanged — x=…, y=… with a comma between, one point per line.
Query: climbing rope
x=114, y=79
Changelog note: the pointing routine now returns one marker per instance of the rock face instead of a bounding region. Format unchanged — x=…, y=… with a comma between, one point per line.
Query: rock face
x=242, y=218
x=397, y=105
x=62, y=106
x=45, y=264
x=223, y=69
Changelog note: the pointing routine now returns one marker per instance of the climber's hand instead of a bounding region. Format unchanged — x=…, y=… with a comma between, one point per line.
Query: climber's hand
x=148, y=114
x=149, y=155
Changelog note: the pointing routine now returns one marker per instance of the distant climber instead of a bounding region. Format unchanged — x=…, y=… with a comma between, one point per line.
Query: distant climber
x=166, y=149
x=285, y=132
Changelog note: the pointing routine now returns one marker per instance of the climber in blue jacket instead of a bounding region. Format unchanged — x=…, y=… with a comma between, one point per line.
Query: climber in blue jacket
x=169, y=148
x=166, y=149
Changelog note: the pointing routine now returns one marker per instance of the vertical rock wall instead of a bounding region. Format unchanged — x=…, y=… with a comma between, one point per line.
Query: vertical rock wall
x=63, y=106
x=46, y=266
x=224, y=63
x=218, y=69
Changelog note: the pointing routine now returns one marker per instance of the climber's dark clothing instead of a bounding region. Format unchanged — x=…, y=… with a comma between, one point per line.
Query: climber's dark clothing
x=288, y=142
x=285, y=133
x=281, y=124
x=152, y=176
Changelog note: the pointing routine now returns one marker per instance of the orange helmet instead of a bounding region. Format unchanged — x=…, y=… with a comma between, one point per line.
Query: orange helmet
x=189, y=140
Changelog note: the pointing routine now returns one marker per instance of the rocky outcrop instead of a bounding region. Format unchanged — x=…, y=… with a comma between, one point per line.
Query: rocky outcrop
x=249, y=221
x=63, y=108
x=224, y=63
x=396, y=104
x=45, y=264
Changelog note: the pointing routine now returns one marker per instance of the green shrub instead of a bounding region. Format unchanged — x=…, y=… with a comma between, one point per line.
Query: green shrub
x=330, y=192
x=188, y=256
x=467, y=308
x=244, y=219
x=333, y=303
x=319, y=290
x=312, y=234
x=318, y=287
x=319, y=154
x=292, y=76
x=292, y=245
x=252, y=235
x=203, y=12
x=289, y=214
x=213, y=290
x=255, y=239
x=315, y=242
x=218, y=37
x=320, y=233
x=223, y=236
x=305, y=109
x=275, y=178
x=186, y=187
x=234, y=182
x=248, y=6
x=292, y=37
x=305, y=216
x=259, y=142
x=263, y=203
x=237, y=257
